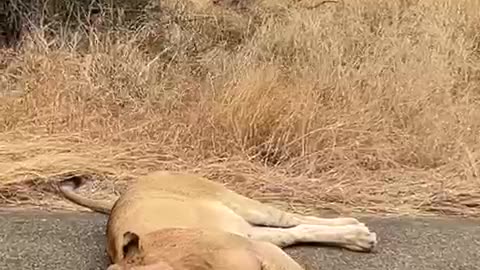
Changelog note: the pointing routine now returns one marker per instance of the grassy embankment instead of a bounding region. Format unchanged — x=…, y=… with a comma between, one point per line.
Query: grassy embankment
x=362, y=105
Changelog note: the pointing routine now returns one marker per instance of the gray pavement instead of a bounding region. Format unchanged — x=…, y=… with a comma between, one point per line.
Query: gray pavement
x=42, y=240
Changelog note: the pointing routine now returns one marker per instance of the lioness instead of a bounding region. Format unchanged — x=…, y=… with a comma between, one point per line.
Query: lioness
x=162, y=200
x=200, y=249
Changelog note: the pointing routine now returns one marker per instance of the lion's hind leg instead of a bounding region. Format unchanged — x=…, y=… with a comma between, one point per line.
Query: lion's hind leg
x=257, y=213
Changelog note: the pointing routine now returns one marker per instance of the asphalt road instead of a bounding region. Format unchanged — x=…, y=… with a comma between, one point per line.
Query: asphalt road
x=40, y=240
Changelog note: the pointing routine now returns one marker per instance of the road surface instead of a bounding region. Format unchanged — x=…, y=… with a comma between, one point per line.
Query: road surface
x=41, y=240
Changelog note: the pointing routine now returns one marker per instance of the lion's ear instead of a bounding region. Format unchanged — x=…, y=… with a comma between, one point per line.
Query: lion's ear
x=130, y=243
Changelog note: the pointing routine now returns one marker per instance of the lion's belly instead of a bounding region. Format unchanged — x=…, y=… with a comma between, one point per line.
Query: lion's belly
x=158, y=213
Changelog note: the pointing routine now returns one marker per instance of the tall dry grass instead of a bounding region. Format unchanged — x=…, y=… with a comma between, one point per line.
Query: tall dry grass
x=360, y=105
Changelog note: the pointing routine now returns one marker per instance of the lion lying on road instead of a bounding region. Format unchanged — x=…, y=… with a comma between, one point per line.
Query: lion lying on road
x=165, y=200
x=200, y=249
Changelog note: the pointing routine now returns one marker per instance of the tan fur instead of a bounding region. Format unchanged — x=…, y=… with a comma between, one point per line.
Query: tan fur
x=163, y=200
x=199, y=249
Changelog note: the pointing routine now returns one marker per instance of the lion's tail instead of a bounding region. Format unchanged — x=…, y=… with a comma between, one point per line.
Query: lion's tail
x=67, y=188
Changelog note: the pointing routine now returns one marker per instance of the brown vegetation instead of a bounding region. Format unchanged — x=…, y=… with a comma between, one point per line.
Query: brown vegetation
x=359, y=105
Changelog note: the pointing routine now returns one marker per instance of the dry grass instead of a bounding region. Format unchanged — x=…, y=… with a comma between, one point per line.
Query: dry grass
x=359, y=105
